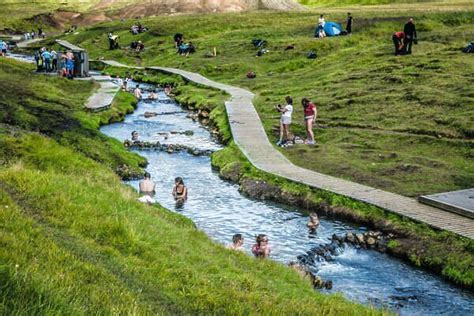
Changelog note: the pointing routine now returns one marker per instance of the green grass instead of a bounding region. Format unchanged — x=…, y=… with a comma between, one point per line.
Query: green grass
x=402, y=124
x=74, y=240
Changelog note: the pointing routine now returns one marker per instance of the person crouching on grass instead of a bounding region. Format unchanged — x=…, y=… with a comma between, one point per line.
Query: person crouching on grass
x=285, y=120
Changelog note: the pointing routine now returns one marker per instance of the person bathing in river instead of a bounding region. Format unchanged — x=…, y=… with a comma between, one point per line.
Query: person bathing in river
x=261, y=249
x=313, y=222
x=168, y=89
x=135, y=136
x=152, y=96
x=137, y=92
x=237, y=243
x=180, y=192
x=147, y=186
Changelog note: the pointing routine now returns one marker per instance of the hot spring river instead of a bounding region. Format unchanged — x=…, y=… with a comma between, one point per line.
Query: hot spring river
x=218, y=209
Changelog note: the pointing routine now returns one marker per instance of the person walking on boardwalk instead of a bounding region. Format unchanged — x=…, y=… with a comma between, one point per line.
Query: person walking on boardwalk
x=410, y=35
x=310, y=114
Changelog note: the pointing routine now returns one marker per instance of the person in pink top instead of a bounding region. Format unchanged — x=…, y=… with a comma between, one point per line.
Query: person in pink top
x=261, y=249
x=310, y=114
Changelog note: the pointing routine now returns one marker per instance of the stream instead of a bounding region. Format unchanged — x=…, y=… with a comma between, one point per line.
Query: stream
x=217, y=208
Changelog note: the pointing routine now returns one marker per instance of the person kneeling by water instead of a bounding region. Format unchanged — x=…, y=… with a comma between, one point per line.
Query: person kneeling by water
x=261, y=249
x=180, y=192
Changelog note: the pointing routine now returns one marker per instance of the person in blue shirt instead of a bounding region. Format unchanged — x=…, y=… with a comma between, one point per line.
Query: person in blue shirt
x=47, y=60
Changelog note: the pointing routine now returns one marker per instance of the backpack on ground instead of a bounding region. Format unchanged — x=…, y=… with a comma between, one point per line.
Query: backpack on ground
x=311, y=55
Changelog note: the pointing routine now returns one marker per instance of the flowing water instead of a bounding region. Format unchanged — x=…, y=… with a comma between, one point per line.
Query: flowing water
x=217, y=207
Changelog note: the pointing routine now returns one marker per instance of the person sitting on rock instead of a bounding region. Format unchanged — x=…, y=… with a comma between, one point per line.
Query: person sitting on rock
x=147, y=186
x=237, y=243
x=180, y=192
x=261, y=249
x=313, y=222
x=137, y=92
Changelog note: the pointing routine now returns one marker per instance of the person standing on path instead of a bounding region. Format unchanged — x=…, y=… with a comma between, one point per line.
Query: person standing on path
x=54, y=60
x=349, y=23
x=70, y=64
x=47, y=60
x=310, y=114
x=410, y=35
x=285, y=120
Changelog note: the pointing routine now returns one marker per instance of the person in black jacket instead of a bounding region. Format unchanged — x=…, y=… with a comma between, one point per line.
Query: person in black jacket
x=410, y=35
x=349, y=23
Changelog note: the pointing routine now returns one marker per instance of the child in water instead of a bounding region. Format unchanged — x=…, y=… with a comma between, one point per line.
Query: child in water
x=313, y=222
x=261, y=249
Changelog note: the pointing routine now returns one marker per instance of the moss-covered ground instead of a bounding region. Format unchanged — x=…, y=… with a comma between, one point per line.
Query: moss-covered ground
x=402, y=124
x=74, y=240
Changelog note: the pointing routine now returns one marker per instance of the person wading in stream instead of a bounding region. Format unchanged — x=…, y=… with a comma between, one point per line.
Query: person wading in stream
x=261, y=249
x=147, y=186
x=180, y=192
x=137, y=92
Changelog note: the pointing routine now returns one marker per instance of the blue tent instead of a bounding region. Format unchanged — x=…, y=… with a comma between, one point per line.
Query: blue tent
x=332, y=28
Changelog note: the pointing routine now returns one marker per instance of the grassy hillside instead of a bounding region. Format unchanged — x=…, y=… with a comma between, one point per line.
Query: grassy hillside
x=403, y=124
x=74, y=240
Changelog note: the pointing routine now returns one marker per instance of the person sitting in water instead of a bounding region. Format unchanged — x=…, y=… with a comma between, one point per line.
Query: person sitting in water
x=237, y=243
x=313, y=222
x=147, y=186
x=261, y=249
x=180, y=192
x=168, y=89
x=152, y=96
x=137, y=92
x=119, y=82
x=135, y=136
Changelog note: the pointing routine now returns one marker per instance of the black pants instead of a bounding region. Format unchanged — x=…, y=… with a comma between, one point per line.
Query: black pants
x=349, y=28
x=408, y=44
x=397, y=42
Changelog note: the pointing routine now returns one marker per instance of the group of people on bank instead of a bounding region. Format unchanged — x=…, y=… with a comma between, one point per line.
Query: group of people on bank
x=310, y=113
x=48, y=60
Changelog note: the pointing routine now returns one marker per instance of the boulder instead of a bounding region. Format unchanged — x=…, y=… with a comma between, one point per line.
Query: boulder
x=150, y=114
x=371, y=241
x=360, y=239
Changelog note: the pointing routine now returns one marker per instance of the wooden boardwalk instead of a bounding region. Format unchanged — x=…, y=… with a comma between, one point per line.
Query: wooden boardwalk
x=249, y=135
x=103, y=97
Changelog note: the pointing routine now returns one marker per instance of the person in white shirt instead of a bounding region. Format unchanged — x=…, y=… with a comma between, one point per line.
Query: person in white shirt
x=285, y=120
x=321, y=23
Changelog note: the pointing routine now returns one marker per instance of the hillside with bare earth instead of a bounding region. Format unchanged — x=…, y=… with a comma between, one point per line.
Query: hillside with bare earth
x=57, y=14
x=127, y=8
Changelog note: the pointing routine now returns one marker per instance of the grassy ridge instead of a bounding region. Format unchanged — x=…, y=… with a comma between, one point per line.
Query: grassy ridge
x=74, y=240
x=403, y=124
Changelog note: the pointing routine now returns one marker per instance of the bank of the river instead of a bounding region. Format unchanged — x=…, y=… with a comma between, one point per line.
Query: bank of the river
x=75, y=240
x=440, y=252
